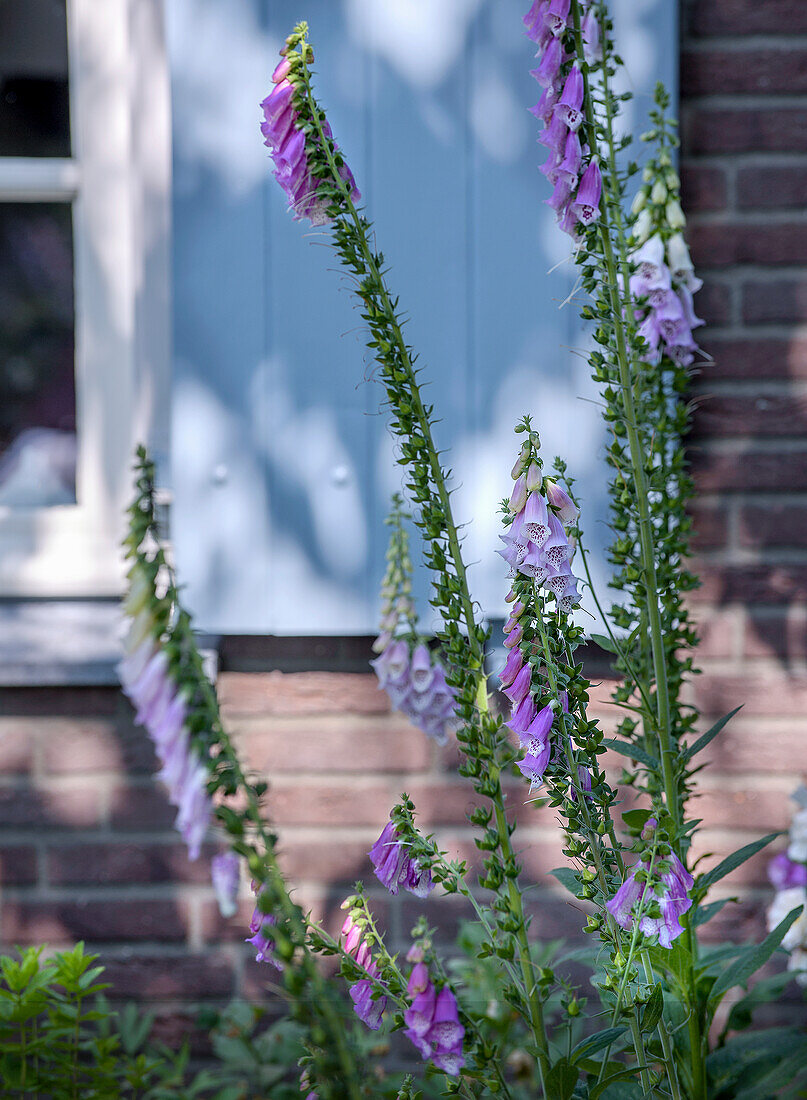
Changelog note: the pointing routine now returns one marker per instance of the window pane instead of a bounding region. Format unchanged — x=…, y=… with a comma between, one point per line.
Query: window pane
x=34, y=111
x=37, y=379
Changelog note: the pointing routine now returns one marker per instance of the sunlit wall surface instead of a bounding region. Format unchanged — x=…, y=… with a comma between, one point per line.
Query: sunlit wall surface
x=281, y=463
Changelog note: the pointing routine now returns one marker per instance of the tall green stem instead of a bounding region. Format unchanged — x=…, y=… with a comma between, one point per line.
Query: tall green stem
x=476, y=651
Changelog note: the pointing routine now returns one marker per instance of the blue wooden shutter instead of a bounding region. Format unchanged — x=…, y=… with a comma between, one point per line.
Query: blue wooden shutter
x=281, y=464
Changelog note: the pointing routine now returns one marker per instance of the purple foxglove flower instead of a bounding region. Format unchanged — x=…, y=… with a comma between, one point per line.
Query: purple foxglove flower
x=518, y=498
x=558, y=581
x=150, y=681
x=520, y=686
x=569, y=222
x=535, y=565
x=522, y=716
x=512, y=667
x=535, y=736
x=534, y=765
x=194, y=813
x=556, y=548
x=592, y=47
x=514, y=637
x=536, y=519
x=554, y=138
x=392, y=664
x=562, y=503
x=168, y=729
x=569, y=167
x=422, y=1044
x=571, y=596
x=264, y=949
x=353, y=939
x=650, y=330
x=419, y=978
x=446, y=1030
x=556, y=16
x=420, y=670
x=278, y=100
x=224, y=872
x=785, y=873
x=651, y=269
x=622, y=904
x=535, y=27
x=420, y=1014
x=546, y=104
x=449, y=1061
x=549, y=67
x=587, y=202
x=418, y=880
x=561, y=194
x=570, y=103
x=131, y=668
x=368, y=1010
x=583, y=783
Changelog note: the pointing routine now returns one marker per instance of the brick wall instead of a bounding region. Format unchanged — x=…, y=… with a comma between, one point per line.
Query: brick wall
x=86, y=845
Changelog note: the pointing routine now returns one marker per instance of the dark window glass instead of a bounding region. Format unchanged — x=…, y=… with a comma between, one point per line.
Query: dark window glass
x=34, y=106
x=37, y=377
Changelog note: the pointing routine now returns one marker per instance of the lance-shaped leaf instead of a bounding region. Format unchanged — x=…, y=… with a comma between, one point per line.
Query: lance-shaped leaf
x=752, y=958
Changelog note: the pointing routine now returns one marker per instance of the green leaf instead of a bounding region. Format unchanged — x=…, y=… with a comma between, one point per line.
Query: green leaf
x=704, y=913
x=568, y=878
x=636, y=819
x=635, y=752
x=619, y=1086
x=753, y=957
x=651, y=1013
x=762, y=992
x=561, y=1080
x=586, y=1047
x=710, y=735
x=604, y=642
x=732, y=862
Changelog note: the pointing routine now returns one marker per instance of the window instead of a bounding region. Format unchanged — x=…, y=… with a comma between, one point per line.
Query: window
x=84, y=199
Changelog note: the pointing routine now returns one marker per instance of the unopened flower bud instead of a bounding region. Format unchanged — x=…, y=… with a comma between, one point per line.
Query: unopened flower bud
x=675, y=215
x=523, y=455
x=639, y=200
x=659, y=193
x=534, y=477
x=642, y=227
x=518, y=497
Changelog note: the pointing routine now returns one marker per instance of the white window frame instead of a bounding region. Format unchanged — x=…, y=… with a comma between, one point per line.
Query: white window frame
x=119, y=182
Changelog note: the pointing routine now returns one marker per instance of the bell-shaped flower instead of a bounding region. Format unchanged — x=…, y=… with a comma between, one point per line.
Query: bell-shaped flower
x=569, y=108
x=534, y=24
x=514, y=637
x=586, y=204
x=569, y=167
x=224, y=868
x=512, y=667
x=522, y=716
x=546, y=104
x=549, y=66
x=520, y=686
x=554, y=138
x=680, y=263
x=556, y=16
x=421, y=671
x=518, y=498
x=592, y=45
x=394, y=867
x=446, y=1030
x=367, y=1007
x=536, y=519
x=563, y=504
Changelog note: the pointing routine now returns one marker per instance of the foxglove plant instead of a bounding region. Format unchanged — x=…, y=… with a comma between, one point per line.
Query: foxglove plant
x=644, y=911
x=788, y=874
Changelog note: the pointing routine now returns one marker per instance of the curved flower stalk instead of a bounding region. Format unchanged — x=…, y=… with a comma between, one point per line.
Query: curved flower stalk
x=162, y=637
x=461, y=637
x=788, y=874
x=410, y=673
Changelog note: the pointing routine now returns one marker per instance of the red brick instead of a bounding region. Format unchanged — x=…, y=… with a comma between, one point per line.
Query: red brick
x=736, y=17
x=737, y=922
x=716, y=245
x=720, y=632
x=49, y=808
x=749, y=470
x=96, y=921
x=323, y=858
x=760, y=414
x=710, y=526
x=141, y=807
x=721, y=72
x=703, y=188
x=780, y=186
x=18, y=865
x=105, y=864
x=754, y=357
x=774, y=525
x=782, y=301
x=94, y=745
x=714, y=303
x=18, y=739
x=738, y=130
x=169, y=978
x=772, y=584
x=781, y=634
x=719, y=845
x=753, y=807
x=67, y=702
x=302, y=693
x=766, y=695
x=332, y=744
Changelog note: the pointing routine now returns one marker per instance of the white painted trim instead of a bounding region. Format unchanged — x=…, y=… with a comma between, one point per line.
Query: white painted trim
x=37, y=179
x=120, y=181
